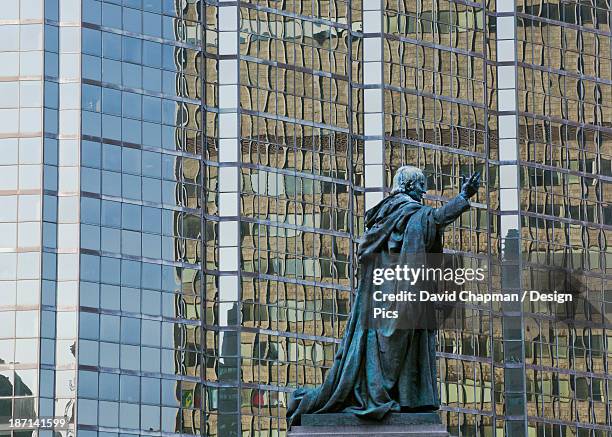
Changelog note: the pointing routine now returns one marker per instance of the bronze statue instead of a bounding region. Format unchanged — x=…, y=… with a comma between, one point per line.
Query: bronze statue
x=381, y=370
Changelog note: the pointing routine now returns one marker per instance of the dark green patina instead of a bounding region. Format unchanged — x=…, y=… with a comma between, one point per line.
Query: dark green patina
x=382, y=370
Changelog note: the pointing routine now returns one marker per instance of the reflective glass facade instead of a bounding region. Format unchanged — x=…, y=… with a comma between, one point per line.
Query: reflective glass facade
x=21, y=155
x=183, y=185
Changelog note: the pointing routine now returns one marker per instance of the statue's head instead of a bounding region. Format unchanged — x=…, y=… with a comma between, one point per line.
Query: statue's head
x=410, y=180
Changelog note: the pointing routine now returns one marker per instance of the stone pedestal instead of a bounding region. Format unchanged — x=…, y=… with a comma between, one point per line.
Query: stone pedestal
x=393, y=425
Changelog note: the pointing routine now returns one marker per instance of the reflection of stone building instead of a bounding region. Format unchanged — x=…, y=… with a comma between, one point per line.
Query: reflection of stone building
x=439, y=103
x=304, y=166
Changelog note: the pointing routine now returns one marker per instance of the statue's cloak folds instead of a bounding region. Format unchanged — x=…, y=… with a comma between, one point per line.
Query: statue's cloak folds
x=378, y=370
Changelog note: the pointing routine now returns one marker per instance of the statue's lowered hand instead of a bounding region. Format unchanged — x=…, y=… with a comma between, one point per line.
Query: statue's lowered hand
x=470, y=186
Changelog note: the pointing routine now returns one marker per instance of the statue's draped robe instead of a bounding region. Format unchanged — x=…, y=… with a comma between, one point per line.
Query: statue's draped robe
x=378, y=370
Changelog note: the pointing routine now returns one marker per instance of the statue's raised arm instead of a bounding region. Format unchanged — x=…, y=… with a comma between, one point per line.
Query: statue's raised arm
x=451, y=210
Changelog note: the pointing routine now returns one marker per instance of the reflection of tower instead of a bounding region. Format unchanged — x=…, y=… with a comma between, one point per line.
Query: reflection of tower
x=6, y=386
x=16, y=383
x=510, y=261
x=229, y=372
x=6, y=389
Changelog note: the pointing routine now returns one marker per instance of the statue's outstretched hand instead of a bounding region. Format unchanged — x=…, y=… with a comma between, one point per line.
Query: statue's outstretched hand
x=470, y=186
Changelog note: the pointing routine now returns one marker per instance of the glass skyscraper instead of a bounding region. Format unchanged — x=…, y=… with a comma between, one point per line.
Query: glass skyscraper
x=183, y=185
